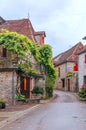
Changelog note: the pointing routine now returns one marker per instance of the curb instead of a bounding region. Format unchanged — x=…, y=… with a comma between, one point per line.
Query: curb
x=49, y=100
x=17, y=116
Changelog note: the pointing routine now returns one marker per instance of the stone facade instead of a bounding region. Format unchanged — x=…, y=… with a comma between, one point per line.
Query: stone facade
x=40, y=82
x=66, y=65
x=64, y=83
x=6, y=85
x=82, y=69
x=7, y=59
x=7, y=63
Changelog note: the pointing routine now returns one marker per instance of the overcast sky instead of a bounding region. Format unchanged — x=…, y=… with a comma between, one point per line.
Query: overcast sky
x=64, y=21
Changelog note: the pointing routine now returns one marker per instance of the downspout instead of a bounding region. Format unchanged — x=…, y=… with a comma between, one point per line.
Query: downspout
x=65, y=77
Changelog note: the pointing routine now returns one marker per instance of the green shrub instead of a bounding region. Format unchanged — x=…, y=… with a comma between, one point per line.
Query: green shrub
x=49, y=85
x=49, y=92
x=37, y=90
x=82, y=93
x=20, y=97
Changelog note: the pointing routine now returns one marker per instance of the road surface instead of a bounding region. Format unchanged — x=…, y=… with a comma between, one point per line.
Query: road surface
x=63, y=113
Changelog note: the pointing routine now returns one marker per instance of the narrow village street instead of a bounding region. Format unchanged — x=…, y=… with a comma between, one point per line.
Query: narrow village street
x=63, y=113
x=42, y=47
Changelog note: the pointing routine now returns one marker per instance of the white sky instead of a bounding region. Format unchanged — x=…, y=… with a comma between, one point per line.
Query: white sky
x=64, y=21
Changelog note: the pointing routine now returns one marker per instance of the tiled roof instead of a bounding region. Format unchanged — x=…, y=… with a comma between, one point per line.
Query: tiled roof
x=1, y=20
x=83, y=51
x=69, y=55
x=22, y=26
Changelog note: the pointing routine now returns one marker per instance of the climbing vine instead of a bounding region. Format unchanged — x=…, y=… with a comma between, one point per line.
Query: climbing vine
x=18, y=44
x=46, y=60
x=23, y=47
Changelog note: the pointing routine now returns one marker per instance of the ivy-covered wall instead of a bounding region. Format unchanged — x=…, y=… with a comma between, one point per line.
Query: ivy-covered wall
x=23, y=50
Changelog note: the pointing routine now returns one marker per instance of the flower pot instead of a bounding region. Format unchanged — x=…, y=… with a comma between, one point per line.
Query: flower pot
x=43, y=73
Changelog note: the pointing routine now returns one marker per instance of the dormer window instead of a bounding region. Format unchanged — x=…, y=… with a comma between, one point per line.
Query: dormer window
x=4, y=52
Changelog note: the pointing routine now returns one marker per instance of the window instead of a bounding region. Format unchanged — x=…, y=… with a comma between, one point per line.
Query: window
x=4, y=52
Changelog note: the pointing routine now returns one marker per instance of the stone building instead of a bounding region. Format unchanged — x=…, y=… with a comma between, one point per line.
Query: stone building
x=8, y=76
x=66, y=65
x=82, y=68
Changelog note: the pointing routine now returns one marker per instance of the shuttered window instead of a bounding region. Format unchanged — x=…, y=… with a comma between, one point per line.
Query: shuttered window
x=24, y=83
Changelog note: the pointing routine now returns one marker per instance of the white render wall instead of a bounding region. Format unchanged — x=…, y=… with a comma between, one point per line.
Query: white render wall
x=82, y=69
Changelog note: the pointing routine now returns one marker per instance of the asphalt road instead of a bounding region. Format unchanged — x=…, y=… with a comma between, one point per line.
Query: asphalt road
x=63, y=113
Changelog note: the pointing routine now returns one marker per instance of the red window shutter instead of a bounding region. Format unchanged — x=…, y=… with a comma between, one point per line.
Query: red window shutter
x=75, y=67
x=24, y=83
x=85, y=58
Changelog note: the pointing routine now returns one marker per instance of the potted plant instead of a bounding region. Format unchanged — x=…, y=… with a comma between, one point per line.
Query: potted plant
x=42, y=73
x=20, y=97
x=70, y=74
x=2, y=104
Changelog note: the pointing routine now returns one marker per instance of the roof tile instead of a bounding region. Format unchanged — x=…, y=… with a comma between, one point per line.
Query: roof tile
x=22, y=26
x=69, y=55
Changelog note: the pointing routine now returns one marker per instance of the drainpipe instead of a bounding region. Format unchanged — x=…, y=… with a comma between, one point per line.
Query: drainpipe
x=13, y=87
x=13, y=90
x=65, y=77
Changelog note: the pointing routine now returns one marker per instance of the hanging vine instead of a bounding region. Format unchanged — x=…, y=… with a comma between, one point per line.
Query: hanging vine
x=46, y=60
x=18, y=44
x=22, y=46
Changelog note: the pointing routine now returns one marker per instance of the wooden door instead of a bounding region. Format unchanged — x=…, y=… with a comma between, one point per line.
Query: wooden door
x=68, y=84
x=84, y=79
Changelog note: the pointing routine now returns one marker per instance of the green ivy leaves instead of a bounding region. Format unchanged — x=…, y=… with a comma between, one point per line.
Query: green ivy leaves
x=46, y=60
x=21, y=45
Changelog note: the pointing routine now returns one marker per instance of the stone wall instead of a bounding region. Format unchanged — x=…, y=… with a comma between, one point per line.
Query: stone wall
x=6, y=85
x=64, y=68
